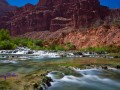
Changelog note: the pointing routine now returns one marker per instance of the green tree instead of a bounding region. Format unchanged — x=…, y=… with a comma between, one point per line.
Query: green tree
x=4, y=35
x=70, y=46
x=6, y=45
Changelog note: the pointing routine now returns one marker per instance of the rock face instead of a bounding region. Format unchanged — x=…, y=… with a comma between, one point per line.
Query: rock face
x=53, y=15
x=60, y=21
x=81, y=39
x=93, y=38
x=5, y=13
x=4, y=6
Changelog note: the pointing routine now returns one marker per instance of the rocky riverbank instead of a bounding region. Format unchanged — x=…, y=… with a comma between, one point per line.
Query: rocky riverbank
x=24, y=53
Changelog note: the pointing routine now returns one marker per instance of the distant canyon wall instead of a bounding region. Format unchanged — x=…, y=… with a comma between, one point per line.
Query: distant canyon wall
x=52, y=15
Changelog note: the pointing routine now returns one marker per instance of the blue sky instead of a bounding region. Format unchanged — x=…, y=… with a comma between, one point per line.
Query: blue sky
x=20, y=3
x=109, y=3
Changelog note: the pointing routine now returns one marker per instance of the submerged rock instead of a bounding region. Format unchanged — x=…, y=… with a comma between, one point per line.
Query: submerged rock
x=46, y=81
x=35, y=86
x=118, y=66
x=104, y=67
x=41, y=88
x=56, y=75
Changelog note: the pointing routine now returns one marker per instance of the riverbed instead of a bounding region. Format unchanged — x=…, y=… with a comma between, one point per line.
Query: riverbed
x=28, y=72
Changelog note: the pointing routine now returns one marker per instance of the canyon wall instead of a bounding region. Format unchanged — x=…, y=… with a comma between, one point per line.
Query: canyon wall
x=52, y=15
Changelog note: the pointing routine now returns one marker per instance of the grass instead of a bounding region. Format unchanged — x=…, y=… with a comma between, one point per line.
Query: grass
x=109, y=49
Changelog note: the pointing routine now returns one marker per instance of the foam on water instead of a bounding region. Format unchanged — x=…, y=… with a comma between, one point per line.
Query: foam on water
x=89, y=81
x=8, y=61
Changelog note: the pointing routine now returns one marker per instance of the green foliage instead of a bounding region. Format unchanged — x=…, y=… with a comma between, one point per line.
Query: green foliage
x=4, y=35
x=70, y=46
x=54, y=47
x=59, y=47
x=114, y=49
x=5, y=40
x=4, y=85
x=21, y=41
x=38, y=43
x=33, y=44
x=110, y=49
x=6, y=45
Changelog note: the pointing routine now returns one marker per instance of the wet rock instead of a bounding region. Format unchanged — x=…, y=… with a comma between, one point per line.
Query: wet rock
x=41, y=88
x=118, y=66
x=78, y=53
x=104, y=67
x=44, y=85
x=48, y=83
x=116, y=57
x=35, y=86
x=42, y=75
x=57, y=74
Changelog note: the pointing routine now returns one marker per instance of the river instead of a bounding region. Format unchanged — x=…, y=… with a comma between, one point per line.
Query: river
x=89, y=79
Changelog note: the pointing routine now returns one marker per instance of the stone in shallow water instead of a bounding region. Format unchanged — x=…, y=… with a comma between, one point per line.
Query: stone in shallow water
x=104, y=67
x=35, y=86
x=41, y=88
x=118, y=66
x=56, y=75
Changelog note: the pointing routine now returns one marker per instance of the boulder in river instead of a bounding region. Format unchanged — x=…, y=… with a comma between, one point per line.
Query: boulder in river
x=56, y=74
x=35, y=86
x=104, y=67
x=41, y=88
x=118, y=66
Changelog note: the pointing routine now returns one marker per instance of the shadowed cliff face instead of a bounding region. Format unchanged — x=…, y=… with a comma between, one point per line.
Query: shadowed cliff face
x=52, y=15
x=4, y=6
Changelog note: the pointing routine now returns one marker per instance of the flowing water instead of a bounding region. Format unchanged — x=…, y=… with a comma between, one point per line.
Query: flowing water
x=90, y=79
x=24, y=66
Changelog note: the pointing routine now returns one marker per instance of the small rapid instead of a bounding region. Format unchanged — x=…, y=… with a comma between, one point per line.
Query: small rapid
x=91, y=79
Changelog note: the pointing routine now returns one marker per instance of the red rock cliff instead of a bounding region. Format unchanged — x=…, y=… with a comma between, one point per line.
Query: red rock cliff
x=49, y=14
x=4, y=6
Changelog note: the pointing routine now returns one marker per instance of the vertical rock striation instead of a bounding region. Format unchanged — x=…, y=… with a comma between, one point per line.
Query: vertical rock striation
x=52, y=15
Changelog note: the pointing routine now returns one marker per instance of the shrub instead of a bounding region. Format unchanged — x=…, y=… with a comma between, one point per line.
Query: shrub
x=6, y=45
x=38, y=42
x=4, y=35
x=59, y=47
x=70, y=46
x=110, y=49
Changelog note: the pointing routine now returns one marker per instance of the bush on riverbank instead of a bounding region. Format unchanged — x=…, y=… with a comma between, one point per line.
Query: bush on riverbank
x=7, y=43
x=4, y=35
x=70, y=46
x=33, y=44
x=110, y=49
x=5, y=40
